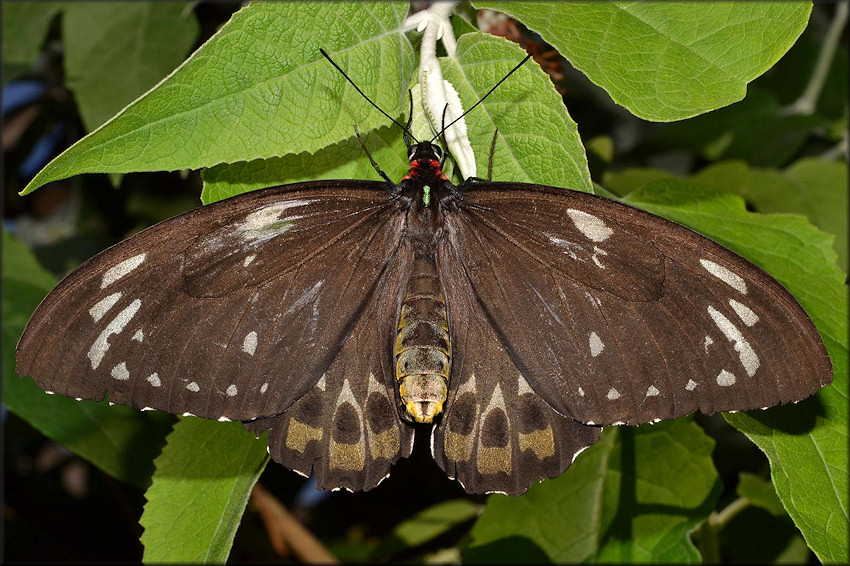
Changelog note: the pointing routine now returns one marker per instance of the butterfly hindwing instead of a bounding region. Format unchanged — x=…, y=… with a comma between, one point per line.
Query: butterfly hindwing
x=619, y=316
x=497, y=434
x=233, y=310
x=347, y=428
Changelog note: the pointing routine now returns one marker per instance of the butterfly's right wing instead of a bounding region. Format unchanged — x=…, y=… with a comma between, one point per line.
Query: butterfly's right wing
x=497, y=434
x=231, y=311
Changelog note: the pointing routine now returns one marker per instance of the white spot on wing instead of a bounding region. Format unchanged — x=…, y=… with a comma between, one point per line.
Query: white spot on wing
x=746, y=354
x=120, y=372
x=153, y=379
x=744, y=312
x=193, y=387
x=597, y=251
x=652, y=391
x=596, y=345
x=567, y=245
x=691, y=385
x=139, y=335
x=102, y=306
x=249, y=344
x=593, y=228
x=729, y=277
x=725, y=378
x=708, y=342
x=264, y=224
x=581, y=391
x=119, y=270
x=223, y=420
x=320, y=385
x=231, y=390
x=248, y=260
x=522, y=386
x=101, y=344
x=613, y=394
x=579, y=451
x=264, y=387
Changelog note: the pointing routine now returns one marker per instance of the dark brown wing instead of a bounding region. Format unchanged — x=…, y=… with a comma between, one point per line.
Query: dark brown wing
x=615, y=315
x=347, y=429
x=497, y=434
x=231, y=311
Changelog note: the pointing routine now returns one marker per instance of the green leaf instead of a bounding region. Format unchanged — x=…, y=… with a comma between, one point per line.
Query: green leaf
x=345, y=160
x=666, y=60
x=257, y=89
x=426, y=526
x=805, y=443
x=119, y=440
x=760, y=493
x=201, y=486
x=25, y=25
x=811, y=186
x=632, y=497
x=538, y=141
x=146, y=41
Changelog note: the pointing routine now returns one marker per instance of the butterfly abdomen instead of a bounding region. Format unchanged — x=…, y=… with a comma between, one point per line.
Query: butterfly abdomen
x=422, y=348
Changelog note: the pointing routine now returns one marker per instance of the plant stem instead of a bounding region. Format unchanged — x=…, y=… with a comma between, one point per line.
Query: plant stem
x=808, y=100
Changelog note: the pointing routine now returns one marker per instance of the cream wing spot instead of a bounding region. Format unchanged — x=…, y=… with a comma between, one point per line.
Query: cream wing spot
x=590, y=226
x=249, y=344
x=102, y=306
x=613, y=394
x=264, y=387
x=120, y=372
x=691, y=385
x=138, y=336
x=231, y=390
x=248, y=260
x=708, y=342
x=101, y=344
x=121, y=269
x=727, y=276
x=193, y=387
x=725, y=378
x=596, y=344
x=746, y=354
x=153, y=379
x=744, y=312
x=652, y=391
x=581, y=391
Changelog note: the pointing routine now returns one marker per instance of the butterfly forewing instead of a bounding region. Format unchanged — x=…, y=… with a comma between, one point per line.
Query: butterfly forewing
x=619, y=316
x=497, y=434
x=177, y=319
x=347, y=428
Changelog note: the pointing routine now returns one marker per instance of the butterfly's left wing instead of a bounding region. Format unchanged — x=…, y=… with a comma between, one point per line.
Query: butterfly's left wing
x=615, y=315
x=347, y=428
x=231, y=311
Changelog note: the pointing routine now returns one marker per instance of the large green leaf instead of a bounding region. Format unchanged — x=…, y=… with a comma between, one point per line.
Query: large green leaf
x=201, y=486
x=805, y=443
x=666, y=60
x=119, y=440
x=115, y=51
x=632, y=497
x=259, y=88
x=538, y=140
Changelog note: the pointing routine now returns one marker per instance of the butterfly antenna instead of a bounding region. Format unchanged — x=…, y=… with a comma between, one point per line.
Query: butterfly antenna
x=357, y=88
x=371, y=159
x=480, y=100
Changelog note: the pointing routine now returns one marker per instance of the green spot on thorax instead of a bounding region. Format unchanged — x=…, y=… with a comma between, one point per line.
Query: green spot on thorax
x=426, y=195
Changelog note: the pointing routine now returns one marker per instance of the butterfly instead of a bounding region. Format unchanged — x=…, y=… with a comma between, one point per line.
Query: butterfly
x=514, y=319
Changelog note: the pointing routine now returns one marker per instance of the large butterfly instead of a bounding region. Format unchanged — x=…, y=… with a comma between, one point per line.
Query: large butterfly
x=516, y=318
